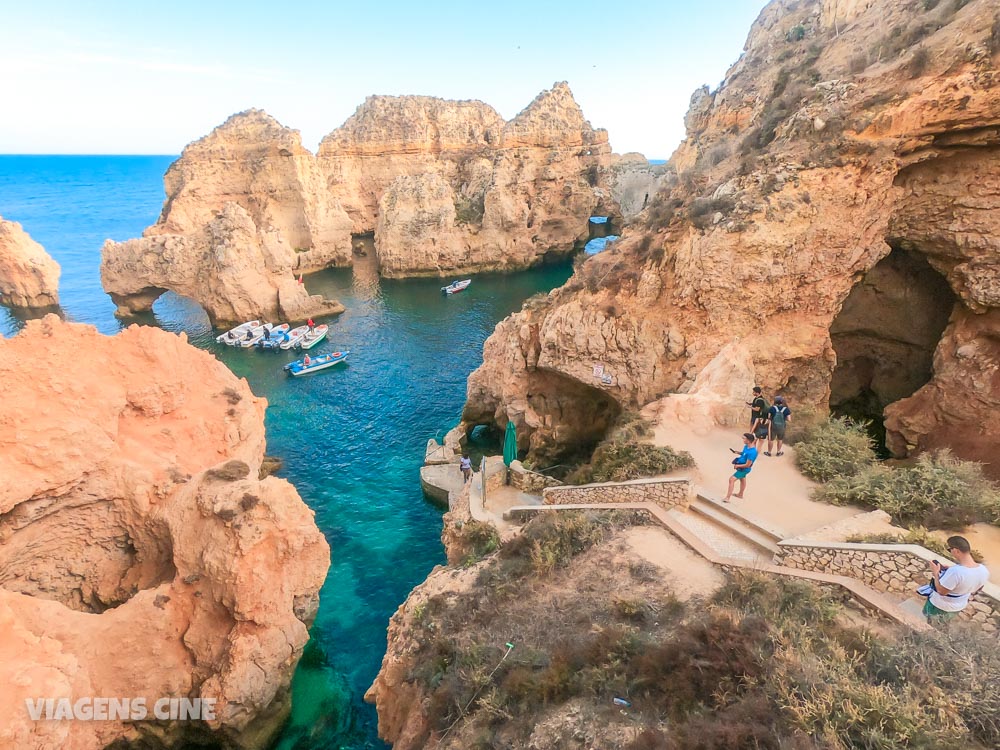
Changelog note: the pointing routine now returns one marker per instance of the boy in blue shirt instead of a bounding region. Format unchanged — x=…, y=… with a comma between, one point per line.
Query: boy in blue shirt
x=742, y=463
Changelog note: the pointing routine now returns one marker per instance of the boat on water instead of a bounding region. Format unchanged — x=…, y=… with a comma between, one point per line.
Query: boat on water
x=456, y=286
x=256, y=334
x=233, y=336
x=313, y=337
x=291, y=339
x=315, y=364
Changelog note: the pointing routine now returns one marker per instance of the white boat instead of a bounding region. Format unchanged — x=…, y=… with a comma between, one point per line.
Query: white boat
x=315, y=364
x=314, y=336
x=232, y=337
x=456, y=286
x=253, y=336
x=293, y=337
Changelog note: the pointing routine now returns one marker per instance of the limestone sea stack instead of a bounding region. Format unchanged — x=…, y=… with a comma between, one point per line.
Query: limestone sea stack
x=835, y=207
x=442, y=186
x=29, y=277
x=140, y=555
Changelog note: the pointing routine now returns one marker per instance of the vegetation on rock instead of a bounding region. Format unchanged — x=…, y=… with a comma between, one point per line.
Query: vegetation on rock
x=623, y=456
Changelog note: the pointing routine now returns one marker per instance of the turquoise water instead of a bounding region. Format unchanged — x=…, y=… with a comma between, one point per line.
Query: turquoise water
x=352, y=438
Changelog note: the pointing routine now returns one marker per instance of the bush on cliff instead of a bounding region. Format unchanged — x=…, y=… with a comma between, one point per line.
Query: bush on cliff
x=622, y=456
x=834, y=448
x=938, y=492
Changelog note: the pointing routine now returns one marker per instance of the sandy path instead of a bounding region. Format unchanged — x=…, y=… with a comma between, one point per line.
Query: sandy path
x=776, y=492
x=690, y=575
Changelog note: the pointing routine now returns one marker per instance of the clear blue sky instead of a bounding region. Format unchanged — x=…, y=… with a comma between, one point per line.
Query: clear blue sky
x=143, y=77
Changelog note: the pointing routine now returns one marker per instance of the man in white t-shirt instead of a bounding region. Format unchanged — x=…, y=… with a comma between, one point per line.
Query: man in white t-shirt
x=954, y=585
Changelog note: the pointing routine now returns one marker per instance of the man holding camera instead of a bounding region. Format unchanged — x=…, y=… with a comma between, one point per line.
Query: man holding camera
x=954, y=585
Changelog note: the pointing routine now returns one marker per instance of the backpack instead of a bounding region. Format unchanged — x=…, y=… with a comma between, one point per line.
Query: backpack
x=778, y=418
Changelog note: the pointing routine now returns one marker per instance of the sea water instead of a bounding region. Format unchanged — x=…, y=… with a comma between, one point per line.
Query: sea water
x=352, y=437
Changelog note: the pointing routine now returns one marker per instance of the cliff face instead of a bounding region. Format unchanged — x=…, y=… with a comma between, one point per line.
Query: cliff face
x=853, y=146
x=29, y=278
x=231, y=267
x=141, y=557
x=444, y=187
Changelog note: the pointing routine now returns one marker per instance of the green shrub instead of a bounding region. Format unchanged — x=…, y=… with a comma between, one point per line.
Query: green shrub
x=939, y=492
x=621, y=461
x=835, y=448
x=478, y=540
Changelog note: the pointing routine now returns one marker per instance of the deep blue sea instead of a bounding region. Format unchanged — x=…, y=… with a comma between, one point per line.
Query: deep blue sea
x=352, y=438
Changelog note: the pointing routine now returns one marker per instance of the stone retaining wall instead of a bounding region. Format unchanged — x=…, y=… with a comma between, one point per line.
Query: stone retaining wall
x=896, y=568
x=666, y=493
x=529, y=481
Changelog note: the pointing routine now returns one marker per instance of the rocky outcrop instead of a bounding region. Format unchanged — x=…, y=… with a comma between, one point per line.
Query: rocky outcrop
x=444, y=187
x=140, y=555
x=846, y=133
x=29, y=278
x=230, y=267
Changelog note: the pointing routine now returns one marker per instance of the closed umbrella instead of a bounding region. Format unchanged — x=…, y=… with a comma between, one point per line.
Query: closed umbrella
x=510, y=444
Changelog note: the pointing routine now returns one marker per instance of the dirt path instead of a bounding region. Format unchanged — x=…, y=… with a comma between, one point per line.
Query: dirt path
x=776, y=492
x=690, y=575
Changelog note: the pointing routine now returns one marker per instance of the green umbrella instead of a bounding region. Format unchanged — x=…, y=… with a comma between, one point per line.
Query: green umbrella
x=510, y=444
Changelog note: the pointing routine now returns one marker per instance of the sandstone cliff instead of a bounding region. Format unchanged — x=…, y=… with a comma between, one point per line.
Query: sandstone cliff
x=230, y=266
x=443, y=186
x=835, y=208
x=140, y=556
x=29, y=278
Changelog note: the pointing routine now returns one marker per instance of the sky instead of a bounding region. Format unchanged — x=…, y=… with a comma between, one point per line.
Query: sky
x=139, y=77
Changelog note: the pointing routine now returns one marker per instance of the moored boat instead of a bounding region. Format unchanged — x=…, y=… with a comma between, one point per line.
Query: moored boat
x=233, y=336
x=292, y=338
x=315, y=364
x=456, y=286
x=253, y=336
x=313, y=337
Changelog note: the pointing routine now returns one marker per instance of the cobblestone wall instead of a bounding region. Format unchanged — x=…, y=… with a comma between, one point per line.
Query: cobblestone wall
x=896, y=568
x=664, y=492
x=529, y=481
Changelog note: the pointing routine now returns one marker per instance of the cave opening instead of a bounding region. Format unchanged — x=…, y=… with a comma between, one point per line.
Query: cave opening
x=885, y=336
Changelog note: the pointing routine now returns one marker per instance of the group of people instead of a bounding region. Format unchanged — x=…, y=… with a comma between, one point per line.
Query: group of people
x=950, y=588
x=767, y=422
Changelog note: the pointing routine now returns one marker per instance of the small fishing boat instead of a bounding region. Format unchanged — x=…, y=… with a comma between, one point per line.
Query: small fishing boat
x=313, y=337
x=456, y=286
x=299, y=366
x=232, y=337
x=292, y=338
x=257, y=334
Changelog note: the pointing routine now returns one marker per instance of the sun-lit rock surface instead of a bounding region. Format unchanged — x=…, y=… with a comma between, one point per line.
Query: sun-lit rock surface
x=443, y=187
x=846, y=131
x=29, y=277
x=140, y=556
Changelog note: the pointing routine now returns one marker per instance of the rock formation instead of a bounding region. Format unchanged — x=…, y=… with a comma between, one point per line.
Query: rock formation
x=443, y=187
x=29, y=278
x=854, y=146
x=140, y=555
x=231, y=267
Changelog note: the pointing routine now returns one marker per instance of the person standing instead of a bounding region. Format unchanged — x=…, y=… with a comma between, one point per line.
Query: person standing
x=778, y=417
x=954, y=585
x=310, y=324
x=742, y=463
x=466, y=466
x=758, y=416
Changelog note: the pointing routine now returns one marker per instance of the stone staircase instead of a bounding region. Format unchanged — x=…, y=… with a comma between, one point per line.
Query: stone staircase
x=729, y=538
x=728, y=533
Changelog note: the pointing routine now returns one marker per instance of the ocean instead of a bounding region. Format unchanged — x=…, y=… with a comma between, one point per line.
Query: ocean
x=352, y=438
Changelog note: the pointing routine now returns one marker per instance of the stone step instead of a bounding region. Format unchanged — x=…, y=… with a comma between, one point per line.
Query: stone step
x=765, y=542
x=773, y=534
x=722, y=539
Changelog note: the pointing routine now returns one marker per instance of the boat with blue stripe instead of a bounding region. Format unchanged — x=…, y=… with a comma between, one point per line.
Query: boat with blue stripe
x=308, y=364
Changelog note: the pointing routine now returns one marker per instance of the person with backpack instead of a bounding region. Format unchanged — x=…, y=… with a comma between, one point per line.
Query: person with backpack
x=778, y=417
x=758, y=416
